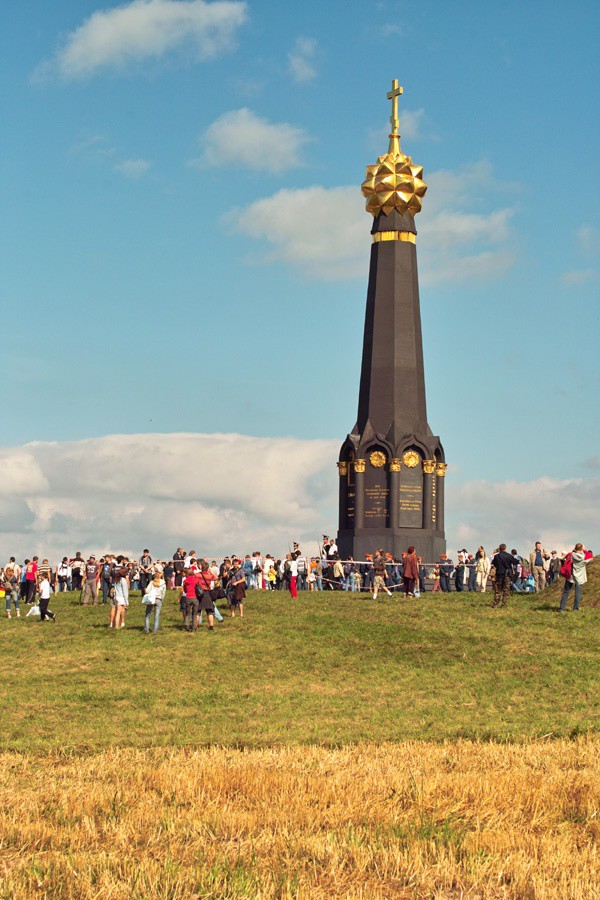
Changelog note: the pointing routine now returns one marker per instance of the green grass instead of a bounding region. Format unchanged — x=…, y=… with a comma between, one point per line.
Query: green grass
x=328, y=668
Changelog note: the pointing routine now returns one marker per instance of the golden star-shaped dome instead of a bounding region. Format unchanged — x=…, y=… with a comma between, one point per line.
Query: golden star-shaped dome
x=394, y=182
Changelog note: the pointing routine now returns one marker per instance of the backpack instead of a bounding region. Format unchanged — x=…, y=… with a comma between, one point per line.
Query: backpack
x=566, y=570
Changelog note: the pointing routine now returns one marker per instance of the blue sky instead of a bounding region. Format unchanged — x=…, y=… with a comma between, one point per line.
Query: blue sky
x=183, y=246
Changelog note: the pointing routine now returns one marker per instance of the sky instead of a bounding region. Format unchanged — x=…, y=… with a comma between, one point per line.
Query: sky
x=184, y=259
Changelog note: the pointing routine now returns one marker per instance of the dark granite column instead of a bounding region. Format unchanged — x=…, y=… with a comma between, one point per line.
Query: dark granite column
x=395, y=466
x=428, y=480
x=440, y=472
x=359, y=475
x=343, y=494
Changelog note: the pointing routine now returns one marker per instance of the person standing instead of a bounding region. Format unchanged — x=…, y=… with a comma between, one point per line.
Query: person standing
x=92, y=578
x=179, y=565
x=338, y=574
x=153, y=598
x=410, y=572
x=437, y=588
x=302, y=570
x=145, y=570
x=538, y=563
x=423, y=574
x=446, y=567
x=576, y=562
x=205, y=583
x=291, y=575
x=11, y=591
x=554, y=567
x=120, y=597
x=63, y=575
x=106, y=567
x=11, y=575
x=189, y=606
x=169, y=574
x=503, y=564
x=380, y=575
x=77, y=570
x=237, y=588
x=45, y=590
x=318, y=570
x=472, y=577
x=459, y=573
x=482, y=569
x=31, y=582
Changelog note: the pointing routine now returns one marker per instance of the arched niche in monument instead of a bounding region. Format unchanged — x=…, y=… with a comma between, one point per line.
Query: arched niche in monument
x=377, y=486
x=411, y=488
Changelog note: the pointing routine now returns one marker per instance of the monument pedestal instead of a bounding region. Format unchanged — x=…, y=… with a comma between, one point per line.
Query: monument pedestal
x=358, y=543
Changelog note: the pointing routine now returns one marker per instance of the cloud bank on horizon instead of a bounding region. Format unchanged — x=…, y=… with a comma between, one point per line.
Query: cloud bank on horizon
x=223, y=493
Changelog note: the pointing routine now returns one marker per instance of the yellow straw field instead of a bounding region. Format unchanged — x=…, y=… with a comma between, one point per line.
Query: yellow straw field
x=413, y=819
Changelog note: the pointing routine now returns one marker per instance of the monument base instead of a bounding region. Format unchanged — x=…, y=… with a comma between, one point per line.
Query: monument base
x=357, y=543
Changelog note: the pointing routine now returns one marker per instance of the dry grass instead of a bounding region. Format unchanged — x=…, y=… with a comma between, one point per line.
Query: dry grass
x=395, y=820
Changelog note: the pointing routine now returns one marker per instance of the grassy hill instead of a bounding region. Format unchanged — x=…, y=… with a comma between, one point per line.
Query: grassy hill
x=320, y=748
x=329, y=668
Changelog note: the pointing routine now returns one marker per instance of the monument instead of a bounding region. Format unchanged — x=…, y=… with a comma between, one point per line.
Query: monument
x=391, y=465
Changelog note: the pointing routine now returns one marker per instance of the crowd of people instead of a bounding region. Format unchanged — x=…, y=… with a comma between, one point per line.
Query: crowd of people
x=201, y=583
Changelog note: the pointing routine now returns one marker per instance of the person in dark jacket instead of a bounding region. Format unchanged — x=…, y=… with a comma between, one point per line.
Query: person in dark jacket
x=446, y=567
x=504, y=566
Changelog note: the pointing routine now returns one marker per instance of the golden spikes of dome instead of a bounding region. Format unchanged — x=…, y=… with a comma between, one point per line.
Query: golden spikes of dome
x=394, y=182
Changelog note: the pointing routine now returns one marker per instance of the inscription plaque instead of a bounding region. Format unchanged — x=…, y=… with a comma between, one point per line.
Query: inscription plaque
x=376, y=497
x=411, y=498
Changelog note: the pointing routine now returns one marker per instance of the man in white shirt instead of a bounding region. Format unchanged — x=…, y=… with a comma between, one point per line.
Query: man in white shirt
x=190, y=560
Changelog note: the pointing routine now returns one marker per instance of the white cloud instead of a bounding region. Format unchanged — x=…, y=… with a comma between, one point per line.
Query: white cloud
x=146, y=29
x=392, y=29
x=243, y=138
x=454, y=244
x=297, y=223
x=219, y=493
x=301, y=60
x=223, y=493
x=133, y=168
x=588, y=239
x=411, y=124
x=578, y=276
x=557, y=512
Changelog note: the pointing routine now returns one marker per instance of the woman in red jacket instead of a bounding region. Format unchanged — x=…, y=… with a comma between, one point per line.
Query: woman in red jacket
x=411, y=572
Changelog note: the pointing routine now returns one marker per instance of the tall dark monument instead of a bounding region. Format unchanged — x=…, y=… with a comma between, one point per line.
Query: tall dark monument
x=391, y=465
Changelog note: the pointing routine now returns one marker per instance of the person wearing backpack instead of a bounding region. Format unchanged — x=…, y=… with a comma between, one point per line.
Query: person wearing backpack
x=10, y=583
x=574, y=572
x=63, y=575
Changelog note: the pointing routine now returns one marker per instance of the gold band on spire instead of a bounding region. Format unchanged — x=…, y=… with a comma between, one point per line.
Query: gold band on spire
x=394, y=236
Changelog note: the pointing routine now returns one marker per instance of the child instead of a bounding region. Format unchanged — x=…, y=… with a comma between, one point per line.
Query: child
x=45, y=591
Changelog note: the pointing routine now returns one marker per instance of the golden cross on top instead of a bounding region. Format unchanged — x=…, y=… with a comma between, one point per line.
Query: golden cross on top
x=393, y=96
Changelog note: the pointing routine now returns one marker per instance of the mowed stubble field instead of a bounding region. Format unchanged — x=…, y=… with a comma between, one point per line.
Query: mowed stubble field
x=327, y=747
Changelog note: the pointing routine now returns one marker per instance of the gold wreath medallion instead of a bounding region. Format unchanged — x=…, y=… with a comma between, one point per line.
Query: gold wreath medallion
x=410, y=459
x=377, y=459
